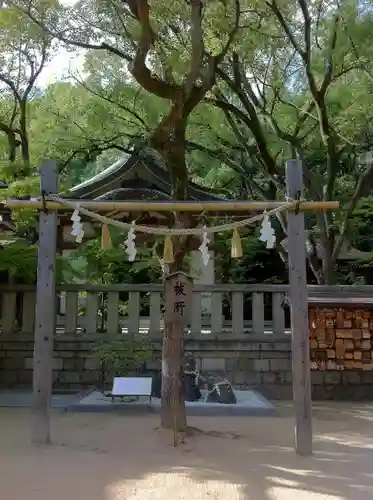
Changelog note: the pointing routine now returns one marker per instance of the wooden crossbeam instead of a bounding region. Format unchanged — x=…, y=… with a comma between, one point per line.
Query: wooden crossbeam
x=174, y=206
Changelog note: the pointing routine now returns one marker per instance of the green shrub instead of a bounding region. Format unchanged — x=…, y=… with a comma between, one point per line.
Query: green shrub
x=122, y=357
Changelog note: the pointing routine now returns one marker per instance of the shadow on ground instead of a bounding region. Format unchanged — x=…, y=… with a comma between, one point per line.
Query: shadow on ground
x=120, y=457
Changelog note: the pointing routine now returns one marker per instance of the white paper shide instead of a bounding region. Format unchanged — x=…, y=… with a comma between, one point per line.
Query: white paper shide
x=130, y=245
x=267, y=233
x=77, y=229
x=204, y=248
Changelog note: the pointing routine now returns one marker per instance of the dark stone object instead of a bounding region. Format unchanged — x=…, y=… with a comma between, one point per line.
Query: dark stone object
x=210, y=380
x=157, y=384
x=190, y=363
x=222, y=392
x=191, y=379
x=191, y=386
x=192, y=391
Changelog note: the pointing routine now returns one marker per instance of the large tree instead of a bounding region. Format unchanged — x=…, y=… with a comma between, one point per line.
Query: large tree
x=299, y=85
x=24, y=52
x=173, y=51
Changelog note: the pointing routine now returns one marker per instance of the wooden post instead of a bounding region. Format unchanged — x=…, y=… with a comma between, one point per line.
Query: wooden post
x=45, y=310
x=299, y=313
x=178, y=297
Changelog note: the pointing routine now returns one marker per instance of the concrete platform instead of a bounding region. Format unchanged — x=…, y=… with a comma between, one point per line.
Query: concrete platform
x=249, y=403
x=23, y=399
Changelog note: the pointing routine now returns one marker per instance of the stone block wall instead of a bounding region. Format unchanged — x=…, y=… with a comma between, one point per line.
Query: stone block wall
x=264, y=365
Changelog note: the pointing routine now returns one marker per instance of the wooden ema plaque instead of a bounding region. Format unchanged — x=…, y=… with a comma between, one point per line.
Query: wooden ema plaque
x=341, y=334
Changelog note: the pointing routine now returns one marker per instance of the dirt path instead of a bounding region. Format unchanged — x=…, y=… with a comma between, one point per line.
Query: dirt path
x=118, y=457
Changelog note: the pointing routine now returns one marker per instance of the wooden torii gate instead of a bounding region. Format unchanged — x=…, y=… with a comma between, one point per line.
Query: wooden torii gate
x=46, y=289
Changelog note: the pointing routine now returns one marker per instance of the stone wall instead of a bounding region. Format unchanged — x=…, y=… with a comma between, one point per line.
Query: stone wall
x=264, y=365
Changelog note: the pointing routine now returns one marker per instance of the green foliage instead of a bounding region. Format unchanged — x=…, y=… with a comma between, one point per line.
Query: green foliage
x=258, y=265
x=19, y=260
x=122, y=357
x=362, y=225
x=112, y=266
x=237, y=140
x=23, y=219
x=9, y=171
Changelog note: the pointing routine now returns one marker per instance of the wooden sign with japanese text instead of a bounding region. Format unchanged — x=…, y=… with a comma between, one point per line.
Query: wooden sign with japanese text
x=178, y=297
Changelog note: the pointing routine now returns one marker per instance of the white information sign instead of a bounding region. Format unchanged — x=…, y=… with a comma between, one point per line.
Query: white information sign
x=132, y=386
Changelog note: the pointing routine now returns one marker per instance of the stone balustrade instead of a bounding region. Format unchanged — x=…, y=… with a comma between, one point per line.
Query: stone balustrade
x=246, y=338
x=119, y=309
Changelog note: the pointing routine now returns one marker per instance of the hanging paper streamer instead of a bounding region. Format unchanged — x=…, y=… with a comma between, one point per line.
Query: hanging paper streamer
x=77, y=229
x=267, y=233
x=236, y=246
x=163, y=265
x=204, y=249
x=106, y=243
x=130, y=244
x=168, y=251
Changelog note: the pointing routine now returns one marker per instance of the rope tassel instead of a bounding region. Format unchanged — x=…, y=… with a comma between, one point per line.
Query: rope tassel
x=168, y=250
x=106, y=242
x=236, y=245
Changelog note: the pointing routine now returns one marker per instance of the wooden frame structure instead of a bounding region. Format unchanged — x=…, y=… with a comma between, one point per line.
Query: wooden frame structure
x=46, y=305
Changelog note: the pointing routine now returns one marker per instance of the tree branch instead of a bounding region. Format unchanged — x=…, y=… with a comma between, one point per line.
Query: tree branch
x=362, y=189
x=138, y=67
x=69, y=41
x=35, y=73
x=197, y=46
x=219, y=58
x=275, y=9
x=328, y=76
x=252, y=121
x=112, y=101
x=11, y=85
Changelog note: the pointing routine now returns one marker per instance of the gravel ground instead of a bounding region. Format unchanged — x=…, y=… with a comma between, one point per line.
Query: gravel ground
x=124, y=457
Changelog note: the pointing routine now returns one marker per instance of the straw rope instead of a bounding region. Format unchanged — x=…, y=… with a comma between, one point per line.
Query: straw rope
x=173, y=232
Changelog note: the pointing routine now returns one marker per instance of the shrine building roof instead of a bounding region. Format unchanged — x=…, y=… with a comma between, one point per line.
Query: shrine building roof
x=139, y=176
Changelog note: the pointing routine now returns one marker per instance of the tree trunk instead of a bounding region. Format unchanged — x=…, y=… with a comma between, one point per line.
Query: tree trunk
x=173, y=405
x=323, y=271
x=12, y=146
x=12, y=141
x=169, y=140
x=328, y=270
x=23, y=133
